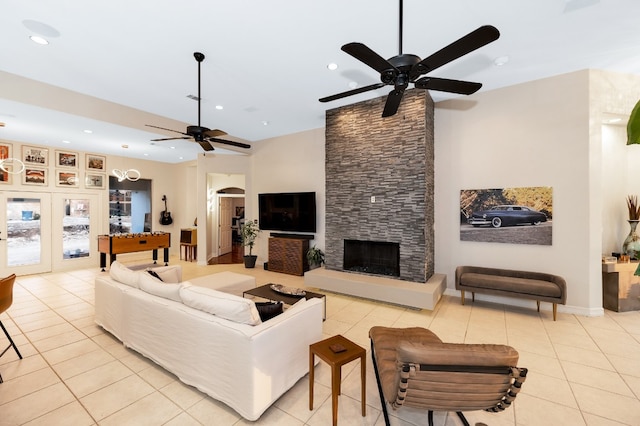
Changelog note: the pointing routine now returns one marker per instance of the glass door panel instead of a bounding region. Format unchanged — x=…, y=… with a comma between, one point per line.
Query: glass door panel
x=26, y=233
x=76, y=228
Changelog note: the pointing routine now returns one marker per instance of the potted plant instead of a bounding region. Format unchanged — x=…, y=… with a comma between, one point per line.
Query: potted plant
x=315, y=257
x=250, y=231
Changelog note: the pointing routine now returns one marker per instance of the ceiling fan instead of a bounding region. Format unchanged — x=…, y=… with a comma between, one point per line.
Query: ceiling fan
x=202, y=135
x=403, y=69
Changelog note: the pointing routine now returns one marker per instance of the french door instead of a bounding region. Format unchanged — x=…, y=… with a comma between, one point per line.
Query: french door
x=25, y=229
x=41, y=232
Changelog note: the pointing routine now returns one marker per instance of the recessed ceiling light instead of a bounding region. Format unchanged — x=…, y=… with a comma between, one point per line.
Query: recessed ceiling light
x=172, y=147
x=500, y=61
x=145, y=154
x=39, y=40
x=88, y=131
x=180, y=158
x=332, y=66
x=353, y=85
x=219, y=107
x=265, y=123
x=66, y=142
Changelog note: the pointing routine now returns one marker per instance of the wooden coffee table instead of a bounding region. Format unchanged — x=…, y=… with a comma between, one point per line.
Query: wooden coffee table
x=265, y=292
x=323, y=349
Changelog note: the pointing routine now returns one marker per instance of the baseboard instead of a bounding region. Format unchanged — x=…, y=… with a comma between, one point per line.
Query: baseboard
x=526, y=303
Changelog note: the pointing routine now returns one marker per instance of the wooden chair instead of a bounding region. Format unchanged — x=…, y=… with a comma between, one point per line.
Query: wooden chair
x=6, y=299
x=414, y=368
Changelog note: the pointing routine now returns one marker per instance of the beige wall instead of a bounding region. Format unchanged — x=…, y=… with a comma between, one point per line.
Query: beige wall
x=543, y=133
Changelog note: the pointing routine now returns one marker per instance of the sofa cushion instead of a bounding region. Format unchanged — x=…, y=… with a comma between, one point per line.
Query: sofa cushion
x=169, y=273
x=224, y=305
x=123, y=275
x=268, y=310
x=511, y=284
x=158, y=288
x=154, y=274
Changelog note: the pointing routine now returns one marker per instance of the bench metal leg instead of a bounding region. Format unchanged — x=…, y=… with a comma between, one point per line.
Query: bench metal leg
x=462, y=296
x=538, y=303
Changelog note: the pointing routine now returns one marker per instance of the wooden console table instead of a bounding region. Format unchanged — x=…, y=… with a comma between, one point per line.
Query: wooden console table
x=620, y=287
x=131, y=243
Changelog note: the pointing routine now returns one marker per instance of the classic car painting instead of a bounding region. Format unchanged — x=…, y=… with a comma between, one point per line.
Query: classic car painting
x=520, y=215
x=507, y=215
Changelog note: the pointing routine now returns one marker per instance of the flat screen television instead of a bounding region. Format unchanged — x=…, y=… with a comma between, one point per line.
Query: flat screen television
x=290, y=211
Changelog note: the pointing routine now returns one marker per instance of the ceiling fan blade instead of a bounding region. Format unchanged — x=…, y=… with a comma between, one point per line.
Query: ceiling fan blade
x=352, y=92
x=214, y=132
x=369, y=57
x=446, y=85
x=393, y=102
x=472, y=41
x=170, y=139
x=206, y=146
x=232, y=143
x=164, y=128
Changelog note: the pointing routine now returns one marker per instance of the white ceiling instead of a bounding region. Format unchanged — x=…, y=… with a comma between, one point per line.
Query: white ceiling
x=114, y=66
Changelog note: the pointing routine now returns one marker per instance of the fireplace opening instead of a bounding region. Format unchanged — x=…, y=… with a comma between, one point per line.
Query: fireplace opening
x=372, y=257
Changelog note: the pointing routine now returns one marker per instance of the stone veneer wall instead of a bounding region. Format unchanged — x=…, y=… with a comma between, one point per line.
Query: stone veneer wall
x=389, y=158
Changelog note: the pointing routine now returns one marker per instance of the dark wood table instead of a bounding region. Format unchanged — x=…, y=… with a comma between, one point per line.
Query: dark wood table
x=265, y=292
x=336, y=360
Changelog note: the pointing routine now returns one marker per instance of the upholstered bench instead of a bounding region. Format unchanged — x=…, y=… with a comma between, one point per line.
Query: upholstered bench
x=537, y=286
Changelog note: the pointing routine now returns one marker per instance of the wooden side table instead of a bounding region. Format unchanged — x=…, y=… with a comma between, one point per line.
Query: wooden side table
x=336, y=360
x=190, y=251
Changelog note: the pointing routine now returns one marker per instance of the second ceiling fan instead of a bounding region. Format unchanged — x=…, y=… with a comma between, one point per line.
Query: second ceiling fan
x=403, y=69
x=199, y=134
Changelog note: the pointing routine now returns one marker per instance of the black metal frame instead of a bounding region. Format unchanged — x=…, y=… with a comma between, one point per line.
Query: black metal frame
x=11, y=344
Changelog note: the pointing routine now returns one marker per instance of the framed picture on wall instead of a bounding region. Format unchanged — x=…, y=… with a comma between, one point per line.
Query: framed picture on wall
x=5, y=170
x=515, y=215
x=94, y=180
x=35, y=156
x=35, y=176
x=5, y=174
x=96, y=163
x=67, y=159
x=66, y=178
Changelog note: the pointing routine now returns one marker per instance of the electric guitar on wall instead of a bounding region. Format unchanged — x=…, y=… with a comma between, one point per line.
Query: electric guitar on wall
x=165, y=216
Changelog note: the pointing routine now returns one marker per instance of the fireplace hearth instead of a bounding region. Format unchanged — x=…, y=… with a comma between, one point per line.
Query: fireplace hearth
x=372, y=257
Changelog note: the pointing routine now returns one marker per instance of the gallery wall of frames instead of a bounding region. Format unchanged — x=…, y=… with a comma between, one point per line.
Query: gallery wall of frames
x=40, y=166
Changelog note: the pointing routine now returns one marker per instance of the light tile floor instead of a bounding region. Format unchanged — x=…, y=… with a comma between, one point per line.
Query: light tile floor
x=582, y=371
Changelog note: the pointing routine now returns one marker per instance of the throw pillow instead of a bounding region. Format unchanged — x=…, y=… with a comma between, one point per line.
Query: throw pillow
x=158, y=288
x=268, y=310
x=154, y=274
x=227, y=306
x=123, y=275
x=169, y=273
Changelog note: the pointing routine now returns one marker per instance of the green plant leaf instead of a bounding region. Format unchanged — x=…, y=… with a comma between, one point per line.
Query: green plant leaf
x=633, y=126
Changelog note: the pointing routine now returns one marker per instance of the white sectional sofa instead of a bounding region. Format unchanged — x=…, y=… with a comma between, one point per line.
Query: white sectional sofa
x=207, y=336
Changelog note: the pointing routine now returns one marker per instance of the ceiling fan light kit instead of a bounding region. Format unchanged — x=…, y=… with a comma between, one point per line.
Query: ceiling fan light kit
x=403, y=69
x=130, y=174
x=8, y=165
x=199, y=134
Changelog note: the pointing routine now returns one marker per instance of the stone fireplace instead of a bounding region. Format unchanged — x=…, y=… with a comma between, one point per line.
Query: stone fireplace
x=379, y=188
x=379, y=181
